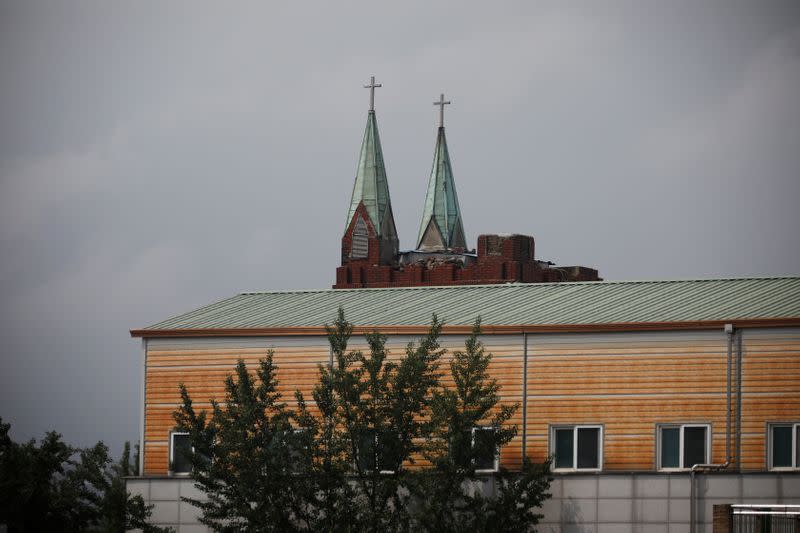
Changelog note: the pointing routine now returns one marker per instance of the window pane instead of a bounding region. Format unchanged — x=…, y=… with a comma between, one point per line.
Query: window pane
x=484, y=449
x=461, y=449
x=782, y=446
x=297, y=443
x=694, y=446
x=670, y=447
x=389, y=452
x=564, y=448
x=366, y=450
x=181, y=451
x=588, y=447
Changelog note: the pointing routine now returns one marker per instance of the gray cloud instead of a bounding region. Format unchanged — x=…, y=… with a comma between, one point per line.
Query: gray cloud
x=155, y=157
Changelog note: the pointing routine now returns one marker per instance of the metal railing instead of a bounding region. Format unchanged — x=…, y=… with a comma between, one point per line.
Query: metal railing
x=766, y=518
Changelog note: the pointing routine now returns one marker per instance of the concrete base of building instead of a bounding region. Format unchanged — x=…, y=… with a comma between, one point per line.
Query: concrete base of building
x=581, y=503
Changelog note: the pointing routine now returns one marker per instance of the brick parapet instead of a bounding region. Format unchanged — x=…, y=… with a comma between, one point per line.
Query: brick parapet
x=500, y=259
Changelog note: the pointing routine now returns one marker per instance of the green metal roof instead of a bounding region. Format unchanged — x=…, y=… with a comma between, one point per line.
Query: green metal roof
x=371, y=186
x=606, y=302
x=441, y=201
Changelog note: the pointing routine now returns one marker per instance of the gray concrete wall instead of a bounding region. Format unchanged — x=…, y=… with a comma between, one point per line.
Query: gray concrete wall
x=654, y=502
x=165, y=495
x=601, y=503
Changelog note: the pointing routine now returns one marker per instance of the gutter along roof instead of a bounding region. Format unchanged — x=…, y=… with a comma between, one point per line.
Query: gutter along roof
x=510, y=308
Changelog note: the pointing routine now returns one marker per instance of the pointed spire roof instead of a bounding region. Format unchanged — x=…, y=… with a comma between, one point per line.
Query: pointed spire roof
x=371, y=187
x=441, y=226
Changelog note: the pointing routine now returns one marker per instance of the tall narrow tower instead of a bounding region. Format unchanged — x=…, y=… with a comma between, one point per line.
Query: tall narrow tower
x=370, y=236
x=441, y=228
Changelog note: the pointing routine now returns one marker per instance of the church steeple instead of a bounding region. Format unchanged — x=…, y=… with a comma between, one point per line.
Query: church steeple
x=370, y=214
x=441, y=227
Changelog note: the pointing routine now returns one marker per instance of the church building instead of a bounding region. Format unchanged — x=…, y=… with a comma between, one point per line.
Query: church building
x=657, y=400
x=370, y=250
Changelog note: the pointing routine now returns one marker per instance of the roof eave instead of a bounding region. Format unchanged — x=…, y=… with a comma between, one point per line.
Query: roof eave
x=486, y=329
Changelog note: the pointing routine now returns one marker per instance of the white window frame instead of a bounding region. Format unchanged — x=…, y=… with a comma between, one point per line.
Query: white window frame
x=681, y=426
x=172, y=452
x=575, y=427
x=795, y=458
x=496, y=466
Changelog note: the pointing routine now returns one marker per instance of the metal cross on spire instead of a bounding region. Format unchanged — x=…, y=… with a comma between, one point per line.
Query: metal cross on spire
x=371, y=88
x=441, y=103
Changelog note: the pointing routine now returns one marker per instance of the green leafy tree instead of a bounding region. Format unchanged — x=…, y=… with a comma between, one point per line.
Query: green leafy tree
x=242, y=455
x=343, y=465
x=118, y=509
x=468, y=424
x=519, y=495
x=378, y=406
x=264, y=467
x=54, y=487
x=322, y=459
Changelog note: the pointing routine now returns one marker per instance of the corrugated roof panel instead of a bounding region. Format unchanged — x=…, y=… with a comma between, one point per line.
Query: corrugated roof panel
x=512, y=304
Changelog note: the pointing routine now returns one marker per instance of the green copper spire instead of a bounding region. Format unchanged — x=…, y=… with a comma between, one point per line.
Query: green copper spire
x=371, y=187
x=441, y=227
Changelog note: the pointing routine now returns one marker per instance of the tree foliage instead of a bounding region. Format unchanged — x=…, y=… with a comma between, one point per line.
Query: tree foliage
x=242, y=455
x=51, y=486
x=349, y=460
x=467, y=424
x=378, y=407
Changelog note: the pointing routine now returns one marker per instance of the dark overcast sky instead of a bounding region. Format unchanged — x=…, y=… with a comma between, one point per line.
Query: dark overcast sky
x=157, y=156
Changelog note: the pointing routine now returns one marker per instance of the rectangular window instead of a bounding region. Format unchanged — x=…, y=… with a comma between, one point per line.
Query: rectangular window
x=784, y=446
x=180, y=449
x=681, y=446
x=378, y=448
x=485, y=451
x=298, y=441
x=476, y=448
x=577, y=447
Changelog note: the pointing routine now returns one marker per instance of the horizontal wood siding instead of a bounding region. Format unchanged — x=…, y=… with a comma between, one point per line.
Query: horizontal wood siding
x=203, y=364
x=770, y=388
x=627, y=382
x=631, y=382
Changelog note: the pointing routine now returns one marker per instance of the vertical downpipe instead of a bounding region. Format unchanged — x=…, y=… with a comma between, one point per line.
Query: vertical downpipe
x=739, y=357
x=330, y=370
x=729, y=404
x=524, y=398
x=729, y=333
x=691, y=502
x=143, y=398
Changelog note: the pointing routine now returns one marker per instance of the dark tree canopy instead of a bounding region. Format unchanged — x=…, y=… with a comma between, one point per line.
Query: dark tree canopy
x=51, y=486
x=384, y=446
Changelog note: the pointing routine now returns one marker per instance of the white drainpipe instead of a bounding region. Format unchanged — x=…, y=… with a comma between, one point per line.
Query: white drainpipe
x=718, y=466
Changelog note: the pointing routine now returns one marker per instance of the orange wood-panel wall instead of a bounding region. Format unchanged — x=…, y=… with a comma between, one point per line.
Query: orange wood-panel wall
x=628, y=382
x=770, y=387
x=203, y=364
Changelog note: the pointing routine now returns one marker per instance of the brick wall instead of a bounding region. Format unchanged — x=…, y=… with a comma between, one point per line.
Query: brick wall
x=500, y=259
